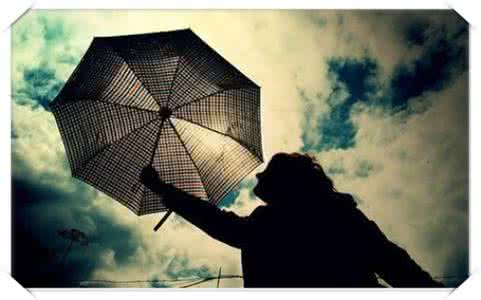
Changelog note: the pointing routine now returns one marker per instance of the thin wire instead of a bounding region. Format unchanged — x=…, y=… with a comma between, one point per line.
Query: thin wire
x=180, y=280
x=212, y=278
x=139, y=281
x=195, y=283
x=189, y=282
x=446, y=277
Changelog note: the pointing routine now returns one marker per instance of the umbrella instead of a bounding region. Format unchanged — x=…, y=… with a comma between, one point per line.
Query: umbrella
x=164, y=99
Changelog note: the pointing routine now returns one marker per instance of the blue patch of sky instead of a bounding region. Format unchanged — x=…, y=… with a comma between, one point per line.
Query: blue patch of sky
x=231, y=197
x=179, y=268
x=357, y=77
x=432, y=70
x=40, y=87
x=444, y=55
x=41, y=83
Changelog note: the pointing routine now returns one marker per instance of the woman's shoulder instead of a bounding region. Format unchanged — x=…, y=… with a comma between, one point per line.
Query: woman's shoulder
x=259, y=211
x=337, y=200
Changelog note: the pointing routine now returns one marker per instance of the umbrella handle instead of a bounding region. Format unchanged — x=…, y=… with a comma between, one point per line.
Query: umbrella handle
x=164, y=218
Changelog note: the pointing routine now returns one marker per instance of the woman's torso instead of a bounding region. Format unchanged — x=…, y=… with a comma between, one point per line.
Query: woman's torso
x=311, y=246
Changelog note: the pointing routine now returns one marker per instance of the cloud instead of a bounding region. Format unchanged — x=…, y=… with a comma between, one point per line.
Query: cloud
x=411, y=174
x=44, y=202
x=47, y=199
x=330, y=90
x=352, y=81
x=41, y=86
x=444, y=56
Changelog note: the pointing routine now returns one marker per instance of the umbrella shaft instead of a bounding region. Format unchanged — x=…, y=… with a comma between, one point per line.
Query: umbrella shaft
x=164, y=218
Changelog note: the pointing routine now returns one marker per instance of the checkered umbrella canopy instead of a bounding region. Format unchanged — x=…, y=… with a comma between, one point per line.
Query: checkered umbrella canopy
x=164, y=99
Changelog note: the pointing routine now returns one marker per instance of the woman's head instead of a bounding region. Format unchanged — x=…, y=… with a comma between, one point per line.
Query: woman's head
x=292, y=175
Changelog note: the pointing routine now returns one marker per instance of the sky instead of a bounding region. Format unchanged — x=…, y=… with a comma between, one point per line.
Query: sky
x=380, y=98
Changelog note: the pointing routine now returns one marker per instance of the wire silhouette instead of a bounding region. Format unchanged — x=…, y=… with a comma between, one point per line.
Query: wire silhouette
x=210, y=278
x=188, y=282
x=193, y=281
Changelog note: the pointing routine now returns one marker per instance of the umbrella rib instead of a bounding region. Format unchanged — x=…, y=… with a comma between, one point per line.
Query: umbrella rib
x=176, y=72
x=229, y=187
x=156, y=145
x=87, y=161
x=208, y=96
x=215, y=55
x=190, y=156
x=221, y=133
x=224, y=60
x=185, y=64
x=135, y=74
x=157, y=139
x=173, y=80
x=69, y=80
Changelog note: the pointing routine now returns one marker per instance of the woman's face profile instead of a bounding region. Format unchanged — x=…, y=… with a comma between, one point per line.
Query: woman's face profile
x=267, y=180
x=262, y=188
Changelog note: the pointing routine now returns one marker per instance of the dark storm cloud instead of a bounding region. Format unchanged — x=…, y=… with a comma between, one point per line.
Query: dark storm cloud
x=26, y=192
x=41, y=209
x=39, y=212
x=42, y=204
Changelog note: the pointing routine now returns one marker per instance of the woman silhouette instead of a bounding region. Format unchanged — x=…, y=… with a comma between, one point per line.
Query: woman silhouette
x=307, y=234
